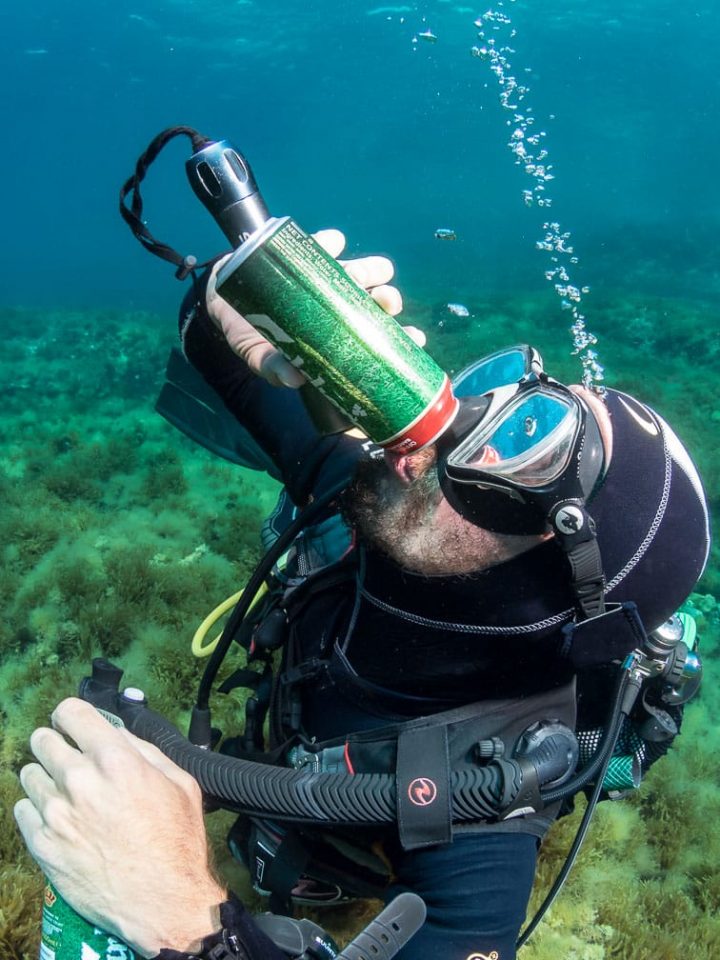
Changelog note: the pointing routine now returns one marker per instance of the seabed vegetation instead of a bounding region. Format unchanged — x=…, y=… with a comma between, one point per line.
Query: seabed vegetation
x=118, y=534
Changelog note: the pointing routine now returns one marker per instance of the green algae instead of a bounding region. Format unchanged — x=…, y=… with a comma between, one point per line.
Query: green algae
x=117, y=535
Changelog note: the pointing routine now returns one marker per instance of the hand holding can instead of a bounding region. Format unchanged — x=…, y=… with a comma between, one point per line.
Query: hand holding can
x=300, y=298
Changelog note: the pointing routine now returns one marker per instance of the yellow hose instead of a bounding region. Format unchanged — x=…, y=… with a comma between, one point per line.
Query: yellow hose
x=198, y=639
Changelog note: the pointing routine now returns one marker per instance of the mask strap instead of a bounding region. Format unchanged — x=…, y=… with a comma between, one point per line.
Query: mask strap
x=574, y=530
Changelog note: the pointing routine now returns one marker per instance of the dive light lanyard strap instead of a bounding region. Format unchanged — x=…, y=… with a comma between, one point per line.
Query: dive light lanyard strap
x=131, y=203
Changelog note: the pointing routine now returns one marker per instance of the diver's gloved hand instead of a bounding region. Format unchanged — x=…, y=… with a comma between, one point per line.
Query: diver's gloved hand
x=118, y=829
x=372, y=273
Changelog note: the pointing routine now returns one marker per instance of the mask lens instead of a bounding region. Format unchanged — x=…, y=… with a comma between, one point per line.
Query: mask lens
x=530, y=444
x=500, y=369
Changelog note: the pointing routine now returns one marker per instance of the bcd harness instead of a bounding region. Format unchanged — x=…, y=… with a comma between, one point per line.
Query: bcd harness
x=525, y=747
x=459, y=769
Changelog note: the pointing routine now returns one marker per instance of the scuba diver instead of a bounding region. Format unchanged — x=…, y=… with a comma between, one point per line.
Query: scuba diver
x=466, y=600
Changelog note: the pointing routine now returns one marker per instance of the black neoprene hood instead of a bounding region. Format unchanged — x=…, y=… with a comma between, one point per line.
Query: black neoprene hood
x=650, y=511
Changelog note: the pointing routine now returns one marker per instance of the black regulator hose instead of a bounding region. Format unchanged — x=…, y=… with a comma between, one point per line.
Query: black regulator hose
x=260, y=574
x=301, y=796
x=628, y=686
x=489, y=792
x=626, y=691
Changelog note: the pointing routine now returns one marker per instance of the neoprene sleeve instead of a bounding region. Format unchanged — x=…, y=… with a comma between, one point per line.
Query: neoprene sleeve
x=309, y=462
x=238, y=929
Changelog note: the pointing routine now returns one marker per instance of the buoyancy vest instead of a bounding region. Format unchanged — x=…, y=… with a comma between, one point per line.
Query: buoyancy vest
x=326, y=716
x=324, y=709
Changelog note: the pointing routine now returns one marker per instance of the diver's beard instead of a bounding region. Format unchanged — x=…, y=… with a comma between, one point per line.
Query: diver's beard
x=405, y=522
x=389, y=515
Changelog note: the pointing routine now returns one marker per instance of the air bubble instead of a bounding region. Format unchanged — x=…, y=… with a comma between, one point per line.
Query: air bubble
x=523, y=147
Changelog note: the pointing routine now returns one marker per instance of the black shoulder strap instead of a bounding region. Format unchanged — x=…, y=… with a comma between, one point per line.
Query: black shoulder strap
x=609, y=636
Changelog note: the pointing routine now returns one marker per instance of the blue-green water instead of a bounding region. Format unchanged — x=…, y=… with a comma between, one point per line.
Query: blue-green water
x=348, y=122
x=116, y=535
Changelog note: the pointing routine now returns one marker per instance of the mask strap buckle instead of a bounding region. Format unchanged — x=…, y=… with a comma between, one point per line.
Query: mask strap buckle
x=574, y=530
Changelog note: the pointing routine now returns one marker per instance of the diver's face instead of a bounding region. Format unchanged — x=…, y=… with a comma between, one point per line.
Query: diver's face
x=397, y=506
x=391, y=497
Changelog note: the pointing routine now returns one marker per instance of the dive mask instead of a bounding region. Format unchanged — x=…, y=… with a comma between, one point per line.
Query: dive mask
x=522, y=444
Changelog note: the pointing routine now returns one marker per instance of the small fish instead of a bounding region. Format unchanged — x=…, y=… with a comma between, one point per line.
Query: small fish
x=445, y=233
x=459, y=309
x=427, y=35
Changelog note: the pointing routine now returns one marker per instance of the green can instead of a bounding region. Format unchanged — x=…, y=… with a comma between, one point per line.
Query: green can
x=355, y=354
x=68, y=936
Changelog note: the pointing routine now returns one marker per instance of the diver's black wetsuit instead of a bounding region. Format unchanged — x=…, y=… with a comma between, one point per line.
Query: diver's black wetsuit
x=395, y=645
x=407, y=645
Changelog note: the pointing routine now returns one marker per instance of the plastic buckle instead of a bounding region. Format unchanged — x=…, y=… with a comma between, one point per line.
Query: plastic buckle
x=186, y=267
x=304, y=671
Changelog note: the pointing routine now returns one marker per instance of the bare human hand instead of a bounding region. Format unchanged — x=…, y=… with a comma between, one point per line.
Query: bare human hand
x=371, y=273
x=118, y=829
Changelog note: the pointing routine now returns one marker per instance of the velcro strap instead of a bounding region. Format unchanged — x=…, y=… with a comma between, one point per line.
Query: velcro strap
x=424, y=804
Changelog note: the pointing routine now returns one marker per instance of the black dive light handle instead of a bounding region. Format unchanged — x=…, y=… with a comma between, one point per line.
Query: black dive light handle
x=381, y=939
x=224, y=182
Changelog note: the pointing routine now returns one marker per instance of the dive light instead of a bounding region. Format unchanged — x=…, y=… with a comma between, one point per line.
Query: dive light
x=223, y=181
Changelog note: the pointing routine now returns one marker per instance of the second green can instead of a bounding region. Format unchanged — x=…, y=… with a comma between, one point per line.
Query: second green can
x=349, y=349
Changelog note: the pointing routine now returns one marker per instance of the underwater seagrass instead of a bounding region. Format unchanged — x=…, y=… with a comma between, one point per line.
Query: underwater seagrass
x=118, y=535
